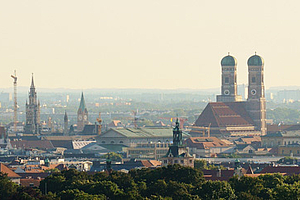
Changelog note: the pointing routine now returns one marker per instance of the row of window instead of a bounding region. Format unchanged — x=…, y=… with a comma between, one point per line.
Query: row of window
x=290, y=151
x=112, y=142
x=177, y=161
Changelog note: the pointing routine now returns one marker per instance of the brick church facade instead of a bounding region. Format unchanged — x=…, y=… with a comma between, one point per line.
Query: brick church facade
x=230, y=116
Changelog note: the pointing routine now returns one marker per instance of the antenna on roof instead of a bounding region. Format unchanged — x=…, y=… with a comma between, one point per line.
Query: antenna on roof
x=228, y=53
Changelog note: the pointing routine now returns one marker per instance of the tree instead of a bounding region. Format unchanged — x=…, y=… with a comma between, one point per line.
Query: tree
x=113, y=156
x=244, y=184
x=217, y=190
x=7, y=187
x=78, y=195
x=271, y=180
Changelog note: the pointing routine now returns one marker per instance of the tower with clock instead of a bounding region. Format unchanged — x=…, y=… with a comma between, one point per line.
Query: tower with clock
x=82, y=115
x=256, y=102
x=229, y=80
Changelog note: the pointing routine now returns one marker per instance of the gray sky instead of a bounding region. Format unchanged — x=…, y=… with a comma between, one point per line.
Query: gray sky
x=146, y=44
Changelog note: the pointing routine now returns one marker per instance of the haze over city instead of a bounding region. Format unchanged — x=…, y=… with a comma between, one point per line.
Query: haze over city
x=145, y=44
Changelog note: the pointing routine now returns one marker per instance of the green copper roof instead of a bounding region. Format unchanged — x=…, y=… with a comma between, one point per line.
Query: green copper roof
x=146, y=132
x=82, y=103
x=255, y=60
x=229, y=61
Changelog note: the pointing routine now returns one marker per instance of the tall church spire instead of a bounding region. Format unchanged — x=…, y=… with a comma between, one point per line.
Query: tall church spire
x=256, y=102
x=82, y=103
x=177, y=135
x=82, y=115
x=229, y=80
x=32, y=82
x=32, y=111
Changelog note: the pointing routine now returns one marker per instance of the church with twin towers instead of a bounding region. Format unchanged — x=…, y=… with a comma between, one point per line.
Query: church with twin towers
x=230, y=116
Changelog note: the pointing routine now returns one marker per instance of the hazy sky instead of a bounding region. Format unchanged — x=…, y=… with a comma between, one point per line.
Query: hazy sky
x=146, y=44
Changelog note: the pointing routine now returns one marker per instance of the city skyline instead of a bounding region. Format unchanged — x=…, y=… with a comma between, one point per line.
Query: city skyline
x=137, y=44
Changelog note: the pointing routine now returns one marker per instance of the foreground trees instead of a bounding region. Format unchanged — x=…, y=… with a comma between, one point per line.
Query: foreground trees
x=172, y=182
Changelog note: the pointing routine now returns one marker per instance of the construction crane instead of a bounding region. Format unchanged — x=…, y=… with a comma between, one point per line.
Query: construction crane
x=15, y=101
x=99, y=120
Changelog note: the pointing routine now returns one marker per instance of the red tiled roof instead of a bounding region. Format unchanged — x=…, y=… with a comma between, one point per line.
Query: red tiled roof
x=204, y=142
x=34, y=174
x=155, y=163
x=146, y=163
x=289, y=170
x=32, y=144
x=4, y=169
x=30, y=182
x=249, y=140
x=224, y=114
x=273, y=128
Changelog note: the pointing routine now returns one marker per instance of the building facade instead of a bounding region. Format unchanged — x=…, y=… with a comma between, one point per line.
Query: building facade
x=230, y=116
x=32, y=112
x=229, y=80
x=178, y=153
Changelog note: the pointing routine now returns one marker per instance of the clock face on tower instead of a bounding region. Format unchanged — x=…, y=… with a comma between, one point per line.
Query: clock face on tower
x=80, y=117
x=253, y=92
x=85, y=117
x=226, y=92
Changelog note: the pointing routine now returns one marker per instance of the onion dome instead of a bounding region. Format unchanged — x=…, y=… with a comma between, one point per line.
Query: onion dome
x=229, y=61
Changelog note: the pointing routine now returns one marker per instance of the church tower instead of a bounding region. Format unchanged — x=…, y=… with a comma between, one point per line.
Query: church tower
x=82, y=115
x=32, y=111
x=178, y=153
x=66, y=124
x=229, y=80
x=256, y=103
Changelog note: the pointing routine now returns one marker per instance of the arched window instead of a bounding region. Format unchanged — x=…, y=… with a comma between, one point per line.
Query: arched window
x=103, y=142
x=112, y=142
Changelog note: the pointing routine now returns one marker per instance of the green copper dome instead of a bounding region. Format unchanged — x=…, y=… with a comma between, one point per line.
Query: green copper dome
x=255, y=60
x=229, y=61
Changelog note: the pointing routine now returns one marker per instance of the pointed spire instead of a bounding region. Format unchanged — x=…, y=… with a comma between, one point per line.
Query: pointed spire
x=66, y=116
x=177, y=134
x=32, y=82
x=82, y=103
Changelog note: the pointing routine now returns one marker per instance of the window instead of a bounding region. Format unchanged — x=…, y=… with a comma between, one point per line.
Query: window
x=165, y=161
x=121, y=142
x=176, y=161
x=112, y=142
x=282, y=151
x=103, y=142
x=226, y=79
x=182, y=161
x=253, y=79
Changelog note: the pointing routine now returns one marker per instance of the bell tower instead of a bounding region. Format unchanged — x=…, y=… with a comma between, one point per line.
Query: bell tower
x=229, y=80
x=82, y=115
x=256, y=102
